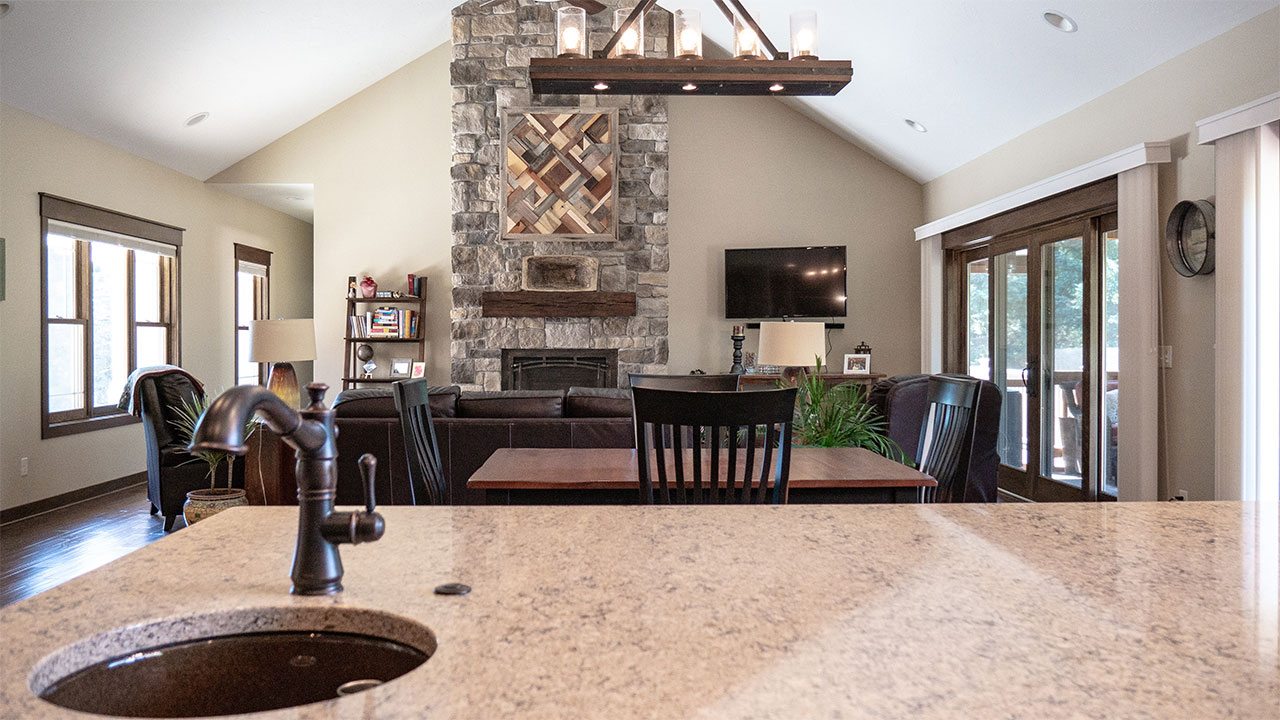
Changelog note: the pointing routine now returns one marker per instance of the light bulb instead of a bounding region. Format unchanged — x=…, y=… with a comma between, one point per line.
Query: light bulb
x=629, y=40
x=689, y=40
x=804, y=42
x=747, y=39
x=572, y=38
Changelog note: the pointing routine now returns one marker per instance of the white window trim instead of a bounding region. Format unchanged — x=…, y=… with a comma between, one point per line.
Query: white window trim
x=1140, y=247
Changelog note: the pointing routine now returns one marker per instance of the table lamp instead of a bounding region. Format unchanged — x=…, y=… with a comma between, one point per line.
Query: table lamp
x=791, y=345
x=282, y=342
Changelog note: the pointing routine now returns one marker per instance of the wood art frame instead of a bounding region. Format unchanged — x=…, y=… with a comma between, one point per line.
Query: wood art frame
x=567, y=209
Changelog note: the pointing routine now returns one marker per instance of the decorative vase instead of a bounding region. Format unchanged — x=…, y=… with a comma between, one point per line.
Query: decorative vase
x=368, y=287
x=208, y=502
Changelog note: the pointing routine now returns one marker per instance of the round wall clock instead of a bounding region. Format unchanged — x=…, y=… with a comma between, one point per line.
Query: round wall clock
x=1188, y=237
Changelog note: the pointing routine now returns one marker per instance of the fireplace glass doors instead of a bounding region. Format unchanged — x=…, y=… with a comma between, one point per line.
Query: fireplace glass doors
x=558, y=369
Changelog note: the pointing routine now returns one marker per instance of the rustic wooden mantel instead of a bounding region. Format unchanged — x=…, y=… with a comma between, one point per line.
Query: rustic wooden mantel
x=527, y=303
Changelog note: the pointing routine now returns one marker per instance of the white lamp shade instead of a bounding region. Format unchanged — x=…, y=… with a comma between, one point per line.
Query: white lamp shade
x=282, y=340
x=791, y=344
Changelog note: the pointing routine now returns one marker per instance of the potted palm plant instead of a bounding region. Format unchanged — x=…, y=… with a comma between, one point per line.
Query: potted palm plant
x=839, y=416
x=212, y=500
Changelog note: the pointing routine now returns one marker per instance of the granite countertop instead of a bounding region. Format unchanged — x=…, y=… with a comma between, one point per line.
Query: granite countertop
x=1162, y=610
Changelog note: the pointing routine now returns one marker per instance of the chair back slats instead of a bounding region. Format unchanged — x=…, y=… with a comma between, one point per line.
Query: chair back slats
x=946, y=436
x=427, y=484
x=709, y=469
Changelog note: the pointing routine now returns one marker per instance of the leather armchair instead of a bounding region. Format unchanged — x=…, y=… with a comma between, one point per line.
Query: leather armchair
x=172, y=472
x=903, y=400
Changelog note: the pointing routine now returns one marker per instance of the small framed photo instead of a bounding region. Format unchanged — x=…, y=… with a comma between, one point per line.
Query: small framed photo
x=400, y=367
x=419, y=369
x=857, y=364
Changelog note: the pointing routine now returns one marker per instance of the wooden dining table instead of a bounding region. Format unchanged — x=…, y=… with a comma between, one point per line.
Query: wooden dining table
x=553, y=476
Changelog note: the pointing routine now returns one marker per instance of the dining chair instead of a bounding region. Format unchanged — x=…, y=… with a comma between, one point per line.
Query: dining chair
x=727, y=381
x=946, y=435
x=670, y=419
x=427, y=484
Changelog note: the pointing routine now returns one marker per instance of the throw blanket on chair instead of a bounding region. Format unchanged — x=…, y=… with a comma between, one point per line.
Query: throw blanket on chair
x=129, y=400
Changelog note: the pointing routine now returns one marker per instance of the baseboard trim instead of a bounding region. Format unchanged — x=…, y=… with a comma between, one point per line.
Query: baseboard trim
x=22, y=512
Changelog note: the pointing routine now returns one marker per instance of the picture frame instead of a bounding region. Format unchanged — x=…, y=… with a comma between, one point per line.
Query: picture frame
x=857, y=364
x=401, y=367
x=545, y=194
x=418, y=369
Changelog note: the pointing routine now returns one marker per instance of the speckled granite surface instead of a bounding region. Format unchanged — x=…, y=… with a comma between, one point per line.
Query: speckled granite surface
x=1013, y=611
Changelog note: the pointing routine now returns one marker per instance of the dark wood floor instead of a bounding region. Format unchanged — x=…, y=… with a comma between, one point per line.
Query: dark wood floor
x=42, y=551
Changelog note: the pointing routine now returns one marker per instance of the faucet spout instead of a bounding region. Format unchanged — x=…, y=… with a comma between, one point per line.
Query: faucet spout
x=222, y=425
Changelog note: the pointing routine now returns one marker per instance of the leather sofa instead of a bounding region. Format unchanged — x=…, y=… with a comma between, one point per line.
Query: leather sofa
x=469, y=427
x=903, y=401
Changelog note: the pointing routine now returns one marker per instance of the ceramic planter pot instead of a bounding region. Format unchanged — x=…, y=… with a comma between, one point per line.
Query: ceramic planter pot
x=208, y=502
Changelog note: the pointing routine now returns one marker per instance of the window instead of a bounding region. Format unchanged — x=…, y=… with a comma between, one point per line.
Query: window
x=253, y=271
x=1033, y=303
x=110, y=306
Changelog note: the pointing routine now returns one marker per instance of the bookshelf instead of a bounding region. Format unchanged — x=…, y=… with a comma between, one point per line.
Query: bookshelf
x=358, y=307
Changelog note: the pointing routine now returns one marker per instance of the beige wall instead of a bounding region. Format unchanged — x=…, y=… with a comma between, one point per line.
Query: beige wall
x=1163, y=104
x=753, y=172
x=380, y=165
x=39, y=156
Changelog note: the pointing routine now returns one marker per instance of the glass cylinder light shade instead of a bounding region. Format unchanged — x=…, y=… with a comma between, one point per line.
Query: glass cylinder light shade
x=804, y=35
x=631, y=44
x=688, y=31
x=571, y=32
x=746, y=44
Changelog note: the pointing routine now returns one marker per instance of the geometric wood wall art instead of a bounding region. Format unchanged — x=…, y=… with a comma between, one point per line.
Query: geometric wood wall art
x=560, y=174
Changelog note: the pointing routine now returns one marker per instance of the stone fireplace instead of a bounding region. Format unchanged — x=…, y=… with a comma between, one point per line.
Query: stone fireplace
x=491, y=51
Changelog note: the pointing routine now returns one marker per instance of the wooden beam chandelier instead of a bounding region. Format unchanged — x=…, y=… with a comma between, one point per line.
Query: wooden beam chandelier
x=621, y=68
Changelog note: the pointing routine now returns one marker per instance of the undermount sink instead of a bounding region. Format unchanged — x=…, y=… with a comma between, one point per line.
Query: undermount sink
x=236, y=662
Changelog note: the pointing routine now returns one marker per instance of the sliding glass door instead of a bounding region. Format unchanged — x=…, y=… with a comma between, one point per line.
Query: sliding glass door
x=1039, y=319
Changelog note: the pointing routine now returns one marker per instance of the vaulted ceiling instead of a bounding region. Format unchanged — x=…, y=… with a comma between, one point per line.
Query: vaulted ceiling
x=975, y=73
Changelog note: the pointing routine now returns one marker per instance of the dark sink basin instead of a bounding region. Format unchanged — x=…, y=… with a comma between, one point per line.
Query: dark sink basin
x=243, y=672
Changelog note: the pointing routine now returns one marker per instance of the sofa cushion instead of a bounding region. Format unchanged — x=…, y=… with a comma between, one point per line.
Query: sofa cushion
x=512, y=404
x=379, y=402
x=597, y=402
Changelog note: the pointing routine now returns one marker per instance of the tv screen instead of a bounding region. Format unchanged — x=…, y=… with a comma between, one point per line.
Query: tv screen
x=784, y=282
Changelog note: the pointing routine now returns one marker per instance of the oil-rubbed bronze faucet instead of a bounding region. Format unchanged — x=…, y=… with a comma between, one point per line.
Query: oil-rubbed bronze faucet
x=317, y=567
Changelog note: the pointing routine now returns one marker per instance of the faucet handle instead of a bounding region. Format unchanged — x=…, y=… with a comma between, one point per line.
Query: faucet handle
x=368, y=465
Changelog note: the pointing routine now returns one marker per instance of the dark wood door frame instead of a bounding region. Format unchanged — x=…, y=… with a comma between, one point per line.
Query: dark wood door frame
x=1087, y=212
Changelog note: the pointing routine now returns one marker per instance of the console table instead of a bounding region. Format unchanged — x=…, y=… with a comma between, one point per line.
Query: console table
x=865, y=380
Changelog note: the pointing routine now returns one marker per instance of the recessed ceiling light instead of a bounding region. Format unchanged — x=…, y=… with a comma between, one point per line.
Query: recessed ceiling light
x=197, y=119
x=689, y=87
x=1060, y=21
x=915, y=126
x=601, y=86
x=775, y=88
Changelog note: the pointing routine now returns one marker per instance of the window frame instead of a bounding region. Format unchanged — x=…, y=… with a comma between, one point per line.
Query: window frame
x=90, y=418
x=261, y=302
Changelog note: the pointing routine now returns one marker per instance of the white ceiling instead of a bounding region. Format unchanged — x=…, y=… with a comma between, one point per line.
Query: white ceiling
x=977, y=73
x=130, y=72
x=296, y=199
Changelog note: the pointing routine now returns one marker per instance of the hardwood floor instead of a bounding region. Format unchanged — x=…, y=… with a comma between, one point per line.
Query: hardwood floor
x=40, y=552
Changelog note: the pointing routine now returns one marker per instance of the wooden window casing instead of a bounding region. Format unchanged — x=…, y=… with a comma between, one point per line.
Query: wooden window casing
x=261, y=300
x=90, y=417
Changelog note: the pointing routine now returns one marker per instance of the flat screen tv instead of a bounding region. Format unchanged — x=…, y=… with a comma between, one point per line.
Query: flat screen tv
x=784, y=282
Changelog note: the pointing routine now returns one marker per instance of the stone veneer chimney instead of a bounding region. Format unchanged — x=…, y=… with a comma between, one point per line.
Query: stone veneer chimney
x=491, y=51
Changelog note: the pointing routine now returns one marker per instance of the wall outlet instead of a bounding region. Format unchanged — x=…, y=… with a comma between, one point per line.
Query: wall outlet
x=24, y=466
x=1166, y=356
x=1181, y=495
